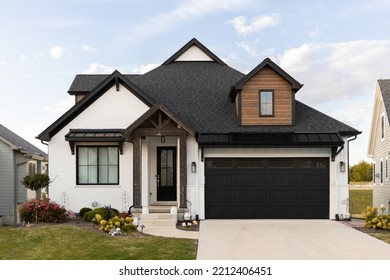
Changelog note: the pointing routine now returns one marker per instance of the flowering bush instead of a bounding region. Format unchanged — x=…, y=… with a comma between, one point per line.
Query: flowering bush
x=375, y=220
x=124, y=223
x=44, y=210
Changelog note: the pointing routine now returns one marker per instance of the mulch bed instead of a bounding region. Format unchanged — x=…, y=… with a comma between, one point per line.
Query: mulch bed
x=193, y=227
x=370, y=230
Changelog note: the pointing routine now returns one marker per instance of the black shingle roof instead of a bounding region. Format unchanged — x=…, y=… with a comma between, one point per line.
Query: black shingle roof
x=385, y=90
x=197, y=92
x=20, y=143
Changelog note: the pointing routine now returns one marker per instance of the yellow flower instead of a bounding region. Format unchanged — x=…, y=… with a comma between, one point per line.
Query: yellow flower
x=98, y=217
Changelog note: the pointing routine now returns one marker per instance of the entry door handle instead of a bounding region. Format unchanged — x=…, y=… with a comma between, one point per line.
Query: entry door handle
x=157, y=179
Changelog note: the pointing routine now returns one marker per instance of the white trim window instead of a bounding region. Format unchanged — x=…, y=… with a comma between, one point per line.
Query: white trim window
x=382, y=127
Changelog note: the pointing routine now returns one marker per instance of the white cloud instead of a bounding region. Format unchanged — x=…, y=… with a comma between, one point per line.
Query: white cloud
x=142, y=69
x=23, y=58
x=337, y=70
x=187, y=10
x=340, y=80
x=248, y=47
x=256, y=24
x=61, y=106
x=2, y=62
x=97, y=68
x=56, y=52
x=87, y=48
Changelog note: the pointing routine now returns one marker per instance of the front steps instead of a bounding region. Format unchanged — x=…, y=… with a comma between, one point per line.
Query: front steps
x=158, y=216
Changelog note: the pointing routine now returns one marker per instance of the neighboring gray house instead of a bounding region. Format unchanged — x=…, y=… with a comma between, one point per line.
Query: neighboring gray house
x=379, y=144
x=18, y=158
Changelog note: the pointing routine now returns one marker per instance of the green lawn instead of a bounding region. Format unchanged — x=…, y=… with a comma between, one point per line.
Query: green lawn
x=359, y=200
x=68, y=242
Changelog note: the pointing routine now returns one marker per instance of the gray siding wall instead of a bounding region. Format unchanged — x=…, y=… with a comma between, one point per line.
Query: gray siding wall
x=381, y=154
x=6, y=180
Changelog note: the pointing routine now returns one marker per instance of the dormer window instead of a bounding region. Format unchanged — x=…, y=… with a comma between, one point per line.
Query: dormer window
x=266, y=103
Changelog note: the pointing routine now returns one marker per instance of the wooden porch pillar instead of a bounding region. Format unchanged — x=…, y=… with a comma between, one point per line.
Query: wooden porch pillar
x=183, y=171
x=137, y=173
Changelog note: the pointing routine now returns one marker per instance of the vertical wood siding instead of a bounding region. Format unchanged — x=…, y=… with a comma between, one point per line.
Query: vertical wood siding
x=267, y=79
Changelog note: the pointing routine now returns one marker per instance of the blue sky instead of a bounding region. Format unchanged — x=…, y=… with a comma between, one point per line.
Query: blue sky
x=337, y=49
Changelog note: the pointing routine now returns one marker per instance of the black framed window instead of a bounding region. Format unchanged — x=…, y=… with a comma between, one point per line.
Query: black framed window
x=97, y=165
x=266, y=103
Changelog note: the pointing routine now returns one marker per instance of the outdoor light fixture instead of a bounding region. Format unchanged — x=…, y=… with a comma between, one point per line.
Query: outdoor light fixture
x=342, y=166
x=162, y=139
x=193, y=167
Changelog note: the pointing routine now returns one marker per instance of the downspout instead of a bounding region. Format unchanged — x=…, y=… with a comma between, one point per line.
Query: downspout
x=349, y=140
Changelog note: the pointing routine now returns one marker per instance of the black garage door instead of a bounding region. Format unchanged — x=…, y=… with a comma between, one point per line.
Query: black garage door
x=272, y=188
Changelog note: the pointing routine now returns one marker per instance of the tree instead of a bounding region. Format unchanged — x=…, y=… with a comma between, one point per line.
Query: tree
x=36, y=181
x=361, y=172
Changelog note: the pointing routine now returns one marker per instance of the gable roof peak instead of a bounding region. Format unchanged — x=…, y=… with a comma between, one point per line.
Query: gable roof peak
x=200, y=46
x=295, y=85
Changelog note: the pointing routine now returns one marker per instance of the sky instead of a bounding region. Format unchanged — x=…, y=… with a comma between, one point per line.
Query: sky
x=337, y=49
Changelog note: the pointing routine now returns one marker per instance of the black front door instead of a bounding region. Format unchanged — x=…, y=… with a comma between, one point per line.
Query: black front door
x=166, y=174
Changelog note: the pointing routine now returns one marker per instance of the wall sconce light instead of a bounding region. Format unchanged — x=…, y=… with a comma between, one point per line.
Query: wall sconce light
x=342, y=166
x=162, y=139
x=193, y=167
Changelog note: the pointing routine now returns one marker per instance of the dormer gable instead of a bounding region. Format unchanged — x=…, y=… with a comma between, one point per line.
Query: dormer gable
x=265, y=96
x=193, y=51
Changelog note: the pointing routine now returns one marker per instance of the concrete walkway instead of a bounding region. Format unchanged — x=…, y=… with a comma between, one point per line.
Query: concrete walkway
x=170, y=231
x=286, y=240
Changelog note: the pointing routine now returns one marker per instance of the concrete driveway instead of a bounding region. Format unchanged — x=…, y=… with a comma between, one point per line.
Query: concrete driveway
x=286, y=240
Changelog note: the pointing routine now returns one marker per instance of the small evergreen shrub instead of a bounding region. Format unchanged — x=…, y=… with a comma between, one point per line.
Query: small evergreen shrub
x=375, y=220
x=43, y=210
x=103, y=212
x=84, y=210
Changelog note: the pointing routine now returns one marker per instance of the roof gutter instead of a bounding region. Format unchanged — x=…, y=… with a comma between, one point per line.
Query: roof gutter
x=349, y=140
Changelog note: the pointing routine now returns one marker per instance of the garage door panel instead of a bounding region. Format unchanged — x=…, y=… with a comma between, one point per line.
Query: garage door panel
x=298, y=188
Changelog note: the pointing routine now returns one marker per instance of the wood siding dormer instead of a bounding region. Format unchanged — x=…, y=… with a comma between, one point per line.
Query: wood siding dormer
x=266, y=80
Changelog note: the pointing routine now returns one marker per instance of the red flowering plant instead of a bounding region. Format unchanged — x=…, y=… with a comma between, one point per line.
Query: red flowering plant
x=44, y=210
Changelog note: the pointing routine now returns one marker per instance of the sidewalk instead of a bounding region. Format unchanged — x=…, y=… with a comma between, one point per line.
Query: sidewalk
x=170, y=231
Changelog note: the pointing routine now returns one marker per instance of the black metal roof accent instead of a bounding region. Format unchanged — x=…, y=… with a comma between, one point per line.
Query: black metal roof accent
x=190, y=44
x=266, y=62
x=94, y=135
x=98, y=91
x=271, y=139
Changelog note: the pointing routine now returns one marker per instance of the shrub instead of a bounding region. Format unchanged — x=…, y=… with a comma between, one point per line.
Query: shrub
x=103, y=212
x=84, y=210
x=43, y=210
x=125, y=223
x=375, y=220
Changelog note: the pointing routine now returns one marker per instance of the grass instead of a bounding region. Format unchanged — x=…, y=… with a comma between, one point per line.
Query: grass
x=359, y=200
x=384, y=236
x=69, y=242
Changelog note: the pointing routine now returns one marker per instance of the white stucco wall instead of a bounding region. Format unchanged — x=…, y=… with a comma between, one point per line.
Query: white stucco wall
x=114, y=109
